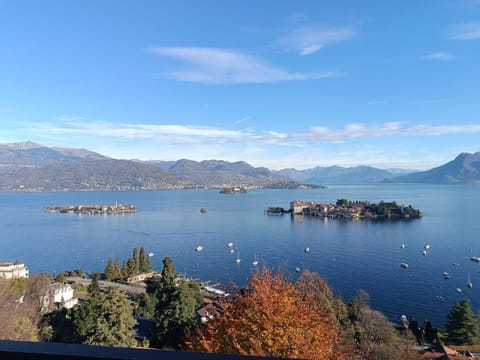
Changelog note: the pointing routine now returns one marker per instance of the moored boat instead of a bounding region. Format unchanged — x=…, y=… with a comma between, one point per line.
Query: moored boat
x=404, y=265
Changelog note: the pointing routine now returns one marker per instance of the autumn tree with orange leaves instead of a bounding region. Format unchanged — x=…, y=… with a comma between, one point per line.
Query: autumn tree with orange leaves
x=270, y=317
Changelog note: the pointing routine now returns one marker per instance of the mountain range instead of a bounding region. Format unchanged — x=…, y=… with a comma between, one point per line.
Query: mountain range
x=28, y=166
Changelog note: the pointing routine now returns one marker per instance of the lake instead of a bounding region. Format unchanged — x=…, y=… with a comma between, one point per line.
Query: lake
x=351, y=255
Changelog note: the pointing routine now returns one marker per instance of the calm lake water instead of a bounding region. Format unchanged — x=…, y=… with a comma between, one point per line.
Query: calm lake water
x=351, y=255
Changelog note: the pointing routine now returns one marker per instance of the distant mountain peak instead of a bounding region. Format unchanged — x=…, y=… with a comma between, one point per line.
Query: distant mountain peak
x=24, y=145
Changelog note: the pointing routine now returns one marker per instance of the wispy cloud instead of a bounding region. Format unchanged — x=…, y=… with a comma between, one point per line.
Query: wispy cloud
x=466, y=31
x=220, y=66
x=376, y=102
x=439, y=56
x=207, y=135
x=307, y=40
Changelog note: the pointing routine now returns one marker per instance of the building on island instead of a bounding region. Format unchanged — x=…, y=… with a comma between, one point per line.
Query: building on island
x=13, y=270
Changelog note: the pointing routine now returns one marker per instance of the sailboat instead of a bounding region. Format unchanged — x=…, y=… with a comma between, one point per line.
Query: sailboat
x=469, y=282
x=255, y=261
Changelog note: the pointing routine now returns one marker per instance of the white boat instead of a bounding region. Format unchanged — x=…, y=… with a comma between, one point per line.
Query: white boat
x=455, y=264
x=199, y=248
x=402, y=246
x=427, y=246
x=297, y=269
x=231, y=251
x=469, y=282
x=230, y=244
x=307, y=249
x=424, y=252
x=475, y=258
x=446, y=275
x=459, y=290
x=404, y=265
x=238, y=260
x=255, y=261
x=150, y=254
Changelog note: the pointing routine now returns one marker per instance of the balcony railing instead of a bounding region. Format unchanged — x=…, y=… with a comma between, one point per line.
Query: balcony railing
x=47, y=351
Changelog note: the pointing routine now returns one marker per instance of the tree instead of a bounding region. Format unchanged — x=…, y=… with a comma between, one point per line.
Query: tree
x=109, y=270
x=176, y=306
x=117, y=270
x=168, y=273
x=144, y=261
x=94, y=286
x=136, y=261
x=270, y=317
x=176, y=312
x=37, y=289
x=462, y=325
x=19, y=320
x=105, y=319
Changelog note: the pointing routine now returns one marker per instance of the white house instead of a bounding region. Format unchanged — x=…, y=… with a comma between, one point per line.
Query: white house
x=13, y=270
x=61, y=294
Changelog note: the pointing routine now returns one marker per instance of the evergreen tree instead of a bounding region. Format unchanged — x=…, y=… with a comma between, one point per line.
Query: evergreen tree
x=83, y=319
x=117, y=269
x=168, y=273
x=136, y=261
x=462, y=325
x=114, y=323
x=105, y=319
x=109, y=270
x=94, y=286
x=124, y=269
x=144, y=261
x=176, y=313
x=176, y=307
x=130, y=267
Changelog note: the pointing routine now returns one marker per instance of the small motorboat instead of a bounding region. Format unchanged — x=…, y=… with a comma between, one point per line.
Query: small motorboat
x=469, y=282
x=402, y=246
x=404, y=265
x=297, y=269
x=230, y=244
x=459, y=290
x=199, y=248
x=424, y=253
x=307, y=250
x=150, y=254
x=446, y=275
x=427, y=246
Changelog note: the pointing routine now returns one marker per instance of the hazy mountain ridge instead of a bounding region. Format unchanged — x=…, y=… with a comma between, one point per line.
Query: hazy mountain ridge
x=28, y=166
x=337, y=175
x=464, y=169
x=30, y=154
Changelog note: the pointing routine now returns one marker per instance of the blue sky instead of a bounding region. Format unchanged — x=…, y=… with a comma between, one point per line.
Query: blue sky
x=275, y=83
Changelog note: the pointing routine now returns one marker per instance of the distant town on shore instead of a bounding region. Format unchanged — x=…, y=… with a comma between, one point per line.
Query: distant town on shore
x=29, y=166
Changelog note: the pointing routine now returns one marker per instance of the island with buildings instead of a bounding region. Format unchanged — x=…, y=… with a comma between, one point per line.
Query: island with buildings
x=92, y=209
x=347, y=209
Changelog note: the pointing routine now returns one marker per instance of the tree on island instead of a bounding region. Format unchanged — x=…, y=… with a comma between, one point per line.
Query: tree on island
x=462, y=325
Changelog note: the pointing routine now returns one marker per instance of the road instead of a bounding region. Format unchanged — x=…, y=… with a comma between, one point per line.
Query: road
x=132, y=289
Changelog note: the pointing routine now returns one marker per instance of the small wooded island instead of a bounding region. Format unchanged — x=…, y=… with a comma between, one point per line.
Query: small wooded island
x=347, y=209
